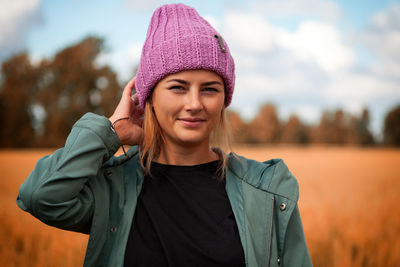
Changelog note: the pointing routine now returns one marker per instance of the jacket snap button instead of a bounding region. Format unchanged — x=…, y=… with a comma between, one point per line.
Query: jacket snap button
x=113, y=229
x=282, y=206
x=279, y=261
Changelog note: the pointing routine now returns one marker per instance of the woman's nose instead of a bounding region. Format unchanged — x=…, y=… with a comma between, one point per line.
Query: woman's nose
x=193, y=101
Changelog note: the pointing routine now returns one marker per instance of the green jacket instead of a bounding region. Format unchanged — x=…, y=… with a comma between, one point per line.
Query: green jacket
x=83, y=187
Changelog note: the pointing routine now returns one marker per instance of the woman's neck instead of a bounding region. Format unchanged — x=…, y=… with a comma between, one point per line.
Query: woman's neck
x=186, y=155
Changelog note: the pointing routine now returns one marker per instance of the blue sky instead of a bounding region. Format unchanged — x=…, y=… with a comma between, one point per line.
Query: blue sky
x=303, y=55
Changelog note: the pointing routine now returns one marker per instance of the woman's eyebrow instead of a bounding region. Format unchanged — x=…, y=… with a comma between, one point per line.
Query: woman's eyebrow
x=178, y=80
x=186, y=82
x=211, y=83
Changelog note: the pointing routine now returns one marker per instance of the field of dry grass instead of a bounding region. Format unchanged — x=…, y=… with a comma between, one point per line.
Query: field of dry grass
x=349, y=202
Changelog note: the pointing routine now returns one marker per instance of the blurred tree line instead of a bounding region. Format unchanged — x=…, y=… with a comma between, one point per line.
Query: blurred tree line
x=335, y=127
x=39, y=103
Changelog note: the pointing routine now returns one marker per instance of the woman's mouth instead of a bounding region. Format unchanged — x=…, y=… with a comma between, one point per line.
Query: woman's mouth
x=191, y=122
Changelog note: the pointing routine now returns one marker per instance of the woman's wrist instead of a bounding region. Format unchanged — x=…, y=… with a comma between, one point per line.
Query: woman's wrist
x=119, y=126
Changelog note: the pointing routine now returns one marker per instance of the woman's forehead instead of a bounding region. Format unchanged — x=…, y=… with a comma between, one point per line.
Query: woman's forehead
x=194, y=75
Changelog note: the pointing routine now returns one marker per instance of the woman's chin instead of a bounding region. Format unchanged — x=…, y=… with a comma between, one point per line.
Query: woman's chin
x=191, y=139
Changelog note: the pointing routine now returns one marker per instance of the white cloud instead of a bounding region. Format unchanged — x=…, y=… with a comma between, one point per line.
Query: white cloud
x=140, y=5
x=273, y=62
x=322, y=9
x=388, y=18
x=249, y=31
x=263, y=85
x=318, y=42
x=17, y=18
x=383, y=35
x=360, y=88
x=256, y=88
x=314, y=66
x=313, y=41
x=386, y=69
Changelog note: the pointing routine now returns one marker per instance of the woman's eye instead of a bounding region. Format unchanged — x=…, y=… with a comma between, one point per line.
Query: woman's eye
x=210, y=89
x=177, y=88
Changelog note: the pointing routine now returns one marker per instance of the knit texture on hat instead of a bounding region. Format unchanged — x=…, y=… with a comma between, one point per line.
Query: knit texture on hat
x=178, y=39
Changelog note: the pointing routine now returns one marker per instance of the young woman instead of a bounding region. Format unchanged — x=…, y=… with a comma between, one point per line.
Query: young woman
x=172, y=199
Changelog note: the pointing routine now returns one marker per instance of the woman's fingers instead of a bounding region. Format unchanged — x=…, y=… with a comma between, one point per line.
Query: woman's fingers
x=129, y=87
x=129, y=131
x=135, y=99
x=126, y=100
x=124, y=107
x=136, y=110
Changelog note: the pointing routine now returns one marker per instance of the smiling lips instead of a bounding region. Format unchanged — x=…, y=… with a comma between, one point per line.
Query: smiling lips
x=191, y=122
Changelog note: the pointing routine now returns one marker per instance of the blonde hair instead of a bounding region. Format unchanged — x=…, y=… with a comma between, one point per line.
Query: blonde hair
x=150, y=148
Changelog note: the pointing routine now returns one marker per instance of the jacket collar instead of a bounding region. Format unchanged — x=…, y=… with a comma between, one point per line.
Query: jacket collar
x=272, y=175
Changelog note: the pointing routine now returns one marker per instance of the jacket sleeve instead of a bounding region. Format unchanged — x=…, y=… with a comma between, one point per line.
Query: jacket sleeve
x=58, y=190
x=295, y=249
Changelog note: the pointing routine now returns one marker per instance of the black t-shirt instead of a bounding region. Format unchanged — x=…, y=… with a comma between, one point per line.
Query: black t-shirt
x=184, y=218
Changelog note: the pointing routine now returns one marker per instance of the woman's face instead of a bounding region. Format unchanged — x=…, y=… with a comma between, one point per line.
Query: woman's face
x=188, y=105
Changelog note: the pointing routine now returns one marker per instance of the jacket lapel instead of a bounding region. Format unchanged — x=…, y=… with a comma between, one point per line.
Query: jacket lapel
x=253, y=210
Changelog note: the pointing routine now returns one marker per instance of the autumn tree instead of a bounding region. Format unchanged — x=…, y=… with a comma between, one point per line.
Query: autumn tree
x=62, y=88
x=341, y=128
x=361, y=128
x=391, y=130
x=72, y=84
x=294, y=131
x=265, y=127
x=238, y=127
x=17, y=86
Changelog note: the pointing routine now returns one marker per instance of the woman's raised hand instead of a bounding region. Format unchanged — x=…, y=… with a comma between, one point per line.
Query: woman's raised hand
x=129, y=131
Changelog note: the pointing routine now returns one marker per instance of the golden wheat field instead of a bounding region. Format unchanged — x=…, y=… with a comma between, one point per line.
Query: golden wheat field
x=349, y=202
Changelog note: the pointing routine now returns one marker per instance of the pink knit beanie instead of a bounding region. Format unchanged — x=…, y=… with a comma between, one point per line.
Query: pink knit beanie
x=179, y=39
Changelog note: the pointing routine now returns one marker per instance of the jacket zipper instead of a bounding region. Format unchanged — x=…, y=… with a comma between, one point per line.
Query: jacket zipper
x=270, y=231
